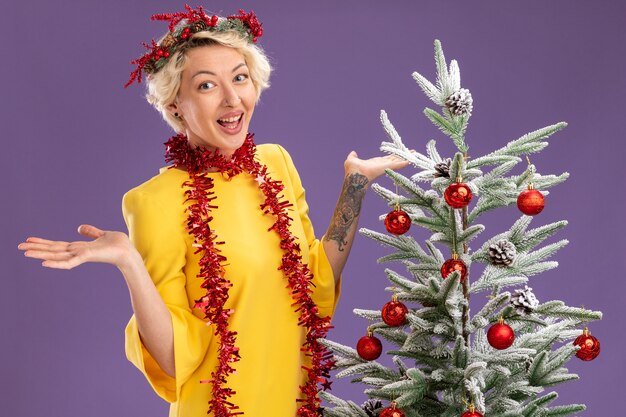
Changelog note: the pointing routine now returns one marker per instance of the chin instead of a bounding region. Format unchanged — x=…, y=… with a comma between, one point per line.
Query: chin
x=231, y=144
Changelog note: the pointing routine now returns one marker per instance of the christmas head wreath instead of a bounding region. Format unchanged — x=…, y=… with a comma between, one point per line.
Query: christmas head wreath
x=182, y=27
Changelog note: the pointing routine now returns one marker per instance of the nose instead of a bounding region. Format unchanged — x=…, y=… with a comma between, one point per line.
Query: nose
x=231, y=96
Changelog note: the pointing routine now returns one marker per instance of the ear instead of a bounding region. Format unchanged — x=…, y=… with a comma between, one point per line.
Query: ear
x=173, y=108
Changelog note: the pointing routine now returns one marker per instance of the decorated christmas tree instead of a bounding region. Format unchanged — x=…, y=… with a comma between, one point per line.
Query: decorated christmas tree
x=446, y=360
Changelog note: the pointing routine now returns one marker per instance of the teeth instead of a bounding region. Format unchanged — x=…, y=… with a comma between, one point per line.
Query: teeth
x=231, y=119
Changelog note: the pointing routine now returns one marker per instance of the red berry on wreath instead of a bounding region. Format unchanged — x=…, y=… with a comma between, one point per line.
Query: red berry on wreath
x=369, y=347
x=589, y=346
x=392, y=411
x=471, y=412
x=500, y=335
x=394, y=312
x=458, y=194
x=454, y=264
x=397, y=222
x=530, y=202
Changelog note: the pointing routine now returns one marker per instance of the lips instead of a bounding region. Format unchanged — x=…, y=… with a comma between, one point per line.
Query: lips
x=230, y=122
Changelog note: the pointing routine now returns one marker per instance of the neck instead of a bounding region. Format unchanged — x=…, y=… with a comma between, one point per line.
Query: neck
x=203, y=147
x=196, y=160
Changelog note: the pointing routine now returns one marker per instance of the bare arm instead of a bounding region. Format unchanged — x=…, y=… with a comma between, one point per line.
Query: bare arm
x=153, y=318
x=359, y=174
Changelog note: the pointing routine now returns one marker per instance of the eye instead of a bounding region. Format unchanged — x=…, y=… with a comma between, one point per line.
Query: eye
x=241, y=77
x=206, y=86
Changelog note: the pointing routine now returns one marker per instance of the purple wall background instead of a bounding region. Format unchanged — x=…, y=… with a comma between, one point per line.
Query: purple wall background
x=76, y=141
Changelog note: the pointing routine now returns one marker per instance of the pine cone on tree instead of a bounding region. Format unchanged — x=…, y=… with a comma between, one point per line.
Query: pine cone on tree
x=442, y=169
x=502, y=253
x=528, y=363
x=524, y=300
x=460, y=102
x=372, y=407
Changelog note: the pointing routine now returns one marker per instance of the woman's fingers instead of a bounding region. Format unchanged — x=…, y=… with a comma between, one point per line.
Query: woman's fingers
x=90, y=231
x=40, y=240
x=46, y=255
x=68, y=264
x=73, y=255
x=105, y=246
x=54, y=246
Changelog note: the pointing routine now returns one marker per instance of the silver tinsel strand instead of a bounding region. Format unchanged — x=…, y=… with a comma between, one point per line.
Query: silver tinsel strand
x=502, y=253
x=524, y=300
x=460, y=102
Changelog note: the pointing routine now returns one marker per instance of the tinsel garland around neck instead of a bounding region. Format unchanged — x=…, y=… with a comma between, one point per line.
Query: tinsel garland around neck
x=197, y=162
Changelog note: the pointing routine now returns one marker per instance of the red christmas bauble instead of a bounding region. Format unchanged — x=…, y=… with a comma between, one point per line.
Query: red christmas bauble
x=458, y=195
x=452, y=265
x=530, y=202
x=369, y=347
x=394, y=313
x=589, y=346
x=391, y=412
x=500, y=335
x=471, y=414
x=397, y=222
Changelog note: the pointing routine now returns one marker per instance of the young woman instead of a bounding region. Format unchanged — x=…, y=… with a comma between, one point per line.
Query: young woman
x=229, y=286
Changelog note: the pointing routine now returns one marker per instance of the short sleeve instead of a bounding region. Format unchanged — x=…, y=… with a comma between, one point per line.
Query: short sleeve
x=325, y=291
x=155, y=231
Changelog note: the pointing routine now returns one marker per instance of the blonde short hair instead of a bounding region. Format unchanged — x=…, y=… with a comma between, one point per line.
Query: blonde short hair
x=163, y=86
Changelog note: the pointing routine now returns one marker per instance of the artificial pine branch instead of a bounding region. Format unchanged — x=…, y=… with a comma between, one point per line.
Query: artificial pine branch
x=564, y=410
x=431, y=151
x=429, y=89
x=529, y=143
x=447, y=347
x=442, y=71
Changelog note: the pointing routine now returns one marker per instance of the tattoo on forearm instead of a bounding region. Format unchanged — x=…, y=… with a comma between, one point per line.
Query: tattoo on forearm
x=348, y=209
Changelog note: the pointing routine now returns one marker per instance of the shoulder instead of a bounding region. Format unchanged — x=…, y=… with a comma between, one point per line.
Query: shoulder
x=164, y=189
x=279, y=163
x=274, y=155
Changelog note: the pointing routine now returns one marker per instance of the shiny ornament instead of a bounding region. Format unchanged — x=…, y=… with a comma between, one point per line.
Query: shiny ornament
x=394, y=312
x=589, y=346
x=398, y=222
x=458, y=195
x=530, y=202
x=500, y=335
x=392, y=411
x=369, y=347
x=454, y=264
x=471, y=412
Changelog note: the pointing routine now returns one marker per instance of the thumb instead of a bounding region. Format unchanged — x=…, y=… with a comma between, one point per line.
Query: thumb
x=90, y=231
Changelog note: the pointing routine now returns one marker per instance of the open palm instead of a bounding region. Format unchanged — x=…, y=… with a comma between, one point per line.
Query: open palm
x=374, y=167
x=107, y=247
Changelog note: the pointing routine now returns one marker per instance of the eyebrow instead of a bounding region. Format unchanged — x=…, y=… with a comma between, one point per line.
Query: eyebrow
x=243, y=64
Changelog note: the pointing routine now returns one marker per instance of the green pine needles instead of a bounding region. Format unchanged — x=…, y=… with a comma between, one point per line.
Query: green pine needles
x=442, y=360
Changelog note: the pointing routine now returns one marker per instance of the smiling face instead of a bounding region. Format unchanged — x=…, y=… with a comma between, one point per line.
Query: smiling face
x=216, y=98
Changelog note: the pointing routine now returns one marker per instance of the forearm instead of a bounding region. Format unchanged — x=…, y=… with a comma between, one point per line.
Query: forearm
x=153, y=318
x=342, y=229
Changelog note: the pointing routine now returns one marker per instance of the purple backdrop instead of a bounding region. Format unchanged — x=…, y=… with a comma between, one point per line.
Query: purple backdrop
x=76, y=141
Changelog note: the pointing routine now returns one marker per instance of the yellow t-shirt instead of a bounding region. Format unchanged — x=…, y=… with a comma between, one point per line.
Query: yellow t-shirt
x=269, y=373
